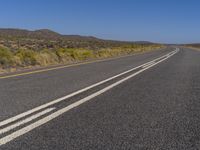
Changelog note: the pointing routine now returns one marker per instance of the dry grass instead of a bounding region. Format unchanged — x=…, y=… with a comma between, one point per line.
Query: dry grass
x=23, y=58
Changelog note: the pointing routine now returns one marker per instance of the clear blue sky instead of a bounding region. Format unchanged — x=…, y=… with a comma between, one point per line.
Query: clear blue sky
x=168, y=21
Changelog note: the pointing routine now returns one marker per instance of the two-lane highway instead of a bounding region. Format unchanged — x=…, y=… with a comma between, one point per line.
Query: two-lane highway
x=21, y=93
x=146, y=101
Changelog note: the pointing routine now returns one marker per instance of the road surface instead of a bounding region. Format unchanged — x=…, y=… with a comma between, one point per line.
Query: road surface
x=145, y=101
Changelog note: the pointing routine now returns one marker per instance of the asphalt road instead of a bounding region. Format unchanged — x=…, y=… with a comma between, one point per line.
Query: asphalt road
x=153, y=106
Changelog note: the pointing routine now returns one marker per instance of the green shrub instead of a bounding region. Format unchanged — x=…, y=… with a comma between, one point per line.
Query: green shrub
x=82, y=54
x=70, y=54
x=27, y=57
x=6, y=57
x=46, y=57
x=65, y=55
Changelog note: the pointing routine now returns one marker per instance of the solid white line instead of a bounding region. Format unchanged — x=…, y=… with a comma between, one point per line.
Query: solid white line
x=12, y=119
x=38, y=123
x=149, y=64
x=4, y=130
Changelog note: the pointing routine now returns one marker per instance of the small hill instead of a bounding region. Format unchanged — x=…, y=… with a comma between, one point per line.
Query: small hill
x=38, y=34
x=41, y=34
x=47, y=39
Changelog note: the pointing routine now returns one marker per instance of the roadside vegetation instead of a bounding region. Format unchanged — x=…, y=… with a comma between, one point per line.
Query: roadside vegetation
x=21, y=49
x=25, y=58
x=196, y=46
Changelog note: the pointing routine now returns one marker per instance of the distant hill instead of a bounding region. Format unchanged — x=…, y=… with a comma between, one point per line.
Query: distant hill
x=40, y=34
x=51, y=35
x=45, y=38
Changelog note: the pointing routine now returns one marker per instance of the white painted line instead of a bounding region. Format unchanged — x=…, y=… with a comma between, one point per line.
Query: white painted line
x=56, y=114
x=12, y=119
x=13, y=126
x=149, y=64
